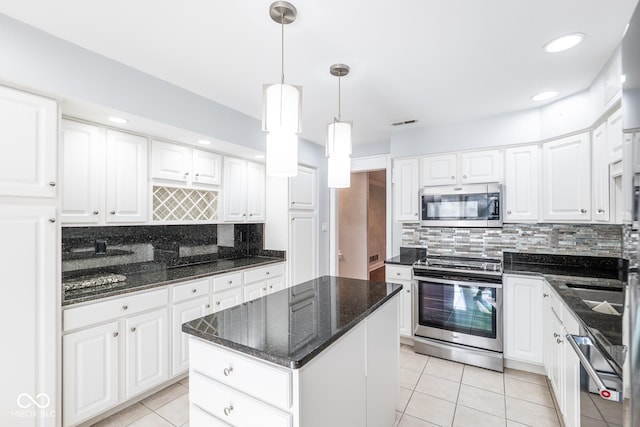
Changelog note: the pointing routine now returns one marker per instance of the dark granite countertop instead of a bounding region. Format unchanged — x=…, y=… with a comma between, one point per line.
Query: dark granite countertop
x=156, y=274
x=292, y=326
x=605, y=330
x=407, y=256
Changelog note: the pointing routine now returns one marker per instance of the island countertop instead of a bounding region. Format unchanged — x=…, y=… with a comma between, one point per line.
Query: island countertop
x=290, y=327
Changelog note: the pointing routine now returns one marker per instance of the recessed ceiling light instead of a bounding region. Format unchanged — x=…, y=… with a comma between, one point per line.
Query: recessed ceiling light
x=563, y=42
x=543, y=96
x=204, y=142
x=118, y=120
x=259, y=156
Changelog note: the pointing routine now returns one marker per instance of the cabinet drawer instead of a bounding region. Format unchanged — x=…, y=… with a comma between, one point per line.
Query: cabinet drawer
x=106, y=310
x=200, y=417
x=193, y=289
x=233, y=406
x=260, y=379
x=398, y=273
x=263, y=273
x=227, y=281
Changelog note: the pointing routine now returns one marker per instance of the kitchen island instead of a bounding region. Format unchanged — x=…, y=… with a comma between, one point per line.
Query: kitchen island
x=324, y=352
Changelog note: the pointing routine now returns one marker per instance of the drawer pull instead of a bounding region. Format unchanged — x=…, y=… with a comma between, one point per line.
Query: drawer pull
x=194, y=290
x=397, y=273
x=555, y=335
x=270, y=286
x=230, y=281
x=558, y=340
x=133, y=329
x=217, y=302
x=208, y=305
x=115, y=334
x=545, y=295
x=227, y=372
x=267, y=273
x=228, y=409
x=124, y=307
x=408, y=290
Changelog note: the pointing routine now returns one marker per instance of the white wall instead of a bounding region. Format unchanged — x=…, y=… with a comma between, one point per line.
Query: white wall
x=34, y=60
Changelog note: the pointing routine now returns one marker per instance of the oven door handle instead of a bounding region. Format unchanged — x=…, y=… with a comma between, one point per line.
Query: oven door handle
x=458, y=282
x=603, y=390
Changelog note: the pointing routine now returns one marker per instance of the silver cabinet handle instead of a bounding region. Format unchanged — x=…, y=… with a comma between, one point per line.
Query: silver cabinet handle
x=545, y=295
x=194, y=290
x=574, y=341
x=197, y=175
x=96, y=212
x=408, y=291
x=228, y=409
x=453, y=177
x=508, y=212
x=397, y=273
x=583, y=210
x=124, y=307
x=217, y=302
x=208, y=306
x=415, y=214
x=186, y=174
x=52, y=220
x=115, y=334
x=244, y=214
x=464, y=176
x=558, y=340
x=270, y=286
x=230, y=281
x=268, y=273
x=264, y=289
x=555, y=335
x=133, y=329
x=600, y=210
x=250, y=214
x=227, y=371
x=52, y=183
x=112, y=212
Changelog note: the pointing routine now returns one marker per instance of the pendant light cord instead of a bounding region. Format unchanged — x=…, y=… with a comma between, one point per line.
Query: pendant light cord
x=339, y=101
x=282, y=48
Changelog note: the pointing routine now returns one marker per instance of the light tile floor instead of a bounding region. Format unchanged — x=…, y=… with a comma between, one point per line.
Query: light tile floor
x=433, y=392
x=436, y=392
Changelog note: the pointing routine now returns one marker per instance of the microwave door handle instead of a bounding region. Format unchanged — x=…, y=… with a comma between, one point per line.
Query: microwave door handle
x=494, y=203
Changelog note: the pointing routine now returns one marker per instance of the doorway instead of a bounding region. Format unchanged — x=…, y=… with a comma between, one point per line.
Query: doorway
x=362, y=226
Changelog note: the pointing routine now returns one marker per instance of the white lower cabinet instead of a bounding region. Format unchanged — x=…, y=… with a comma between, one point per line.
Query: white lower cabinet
x=146, y=351
x=90, y=372
x=181, y=313
x=402, y=275
x=226, y=387
x=227, y=299
x=263, y=281
x=523, y=311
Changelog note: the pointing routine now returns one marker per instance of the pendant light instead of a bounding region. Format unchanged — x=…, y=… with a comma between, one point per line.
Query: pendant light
x=338, y=147
x=281, y=108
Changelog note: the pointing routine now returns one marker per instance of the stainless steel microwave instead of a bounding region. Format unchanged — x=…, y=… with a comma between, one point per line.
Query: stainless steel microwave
x=477, y=205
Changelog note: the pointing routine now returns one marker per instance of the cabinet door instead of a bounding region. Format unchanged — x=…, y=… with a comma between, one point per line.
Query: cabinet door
x=556, y=361
x=397, y=274
x=89, y=372
x=303, y=258
x=523, y=324
x=29, y=317
x=600, y=173
x=207, y=168
x=254, y=290
x=522, y=183
x=147, y=351
x=28, y=141
x=227, y=299
x=275, y=284
x=614, y=136
x=571, y=365
x=255, y=192
x=235, y=189
x=82, y=158
x=566, y=185
x=126, y=177
x=302, y=189
x=480, y=166
x=182, y=313
x=438, y=170
x=170, y=161
x=406, y=192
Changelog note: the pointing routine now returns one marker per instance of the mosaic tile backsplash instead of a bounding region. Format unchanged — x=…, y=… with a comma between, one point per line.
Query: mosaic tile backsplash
x=567, y=239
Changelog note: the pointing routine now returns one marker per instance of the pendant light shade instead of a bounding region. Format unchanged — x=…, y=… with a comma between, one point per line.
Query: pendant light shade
x=281, y=108
x=282, y=153
x=282, y=105
x=338, y=147
x=339, y=172
x=339, y=139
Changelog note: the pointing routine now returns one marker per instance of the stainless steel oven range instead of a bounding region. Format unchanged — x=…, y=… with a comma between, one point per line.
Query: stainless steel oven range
x=457, y=310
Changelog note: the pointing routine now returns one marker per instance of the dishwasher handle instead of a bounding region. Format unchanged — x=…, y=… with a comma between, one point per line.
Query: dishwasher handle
x=603, y=390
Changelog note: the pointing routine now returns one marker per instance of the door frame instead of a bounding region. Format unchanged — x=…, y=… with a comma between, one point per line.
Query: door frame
x=360, y=164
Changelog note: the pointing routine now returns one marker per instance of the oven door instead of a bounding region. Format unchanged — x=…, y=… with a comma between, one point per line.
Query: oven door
x=459, y=311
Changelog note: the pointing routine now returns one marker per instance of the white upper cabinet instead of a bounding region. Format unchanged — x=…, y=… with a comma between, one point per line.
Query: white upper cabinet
x=126, y=187
x=243, y=191
x=406, y=190
x=28, y=137
x=464, y=168
x=614, y=136
x=522, y=183
x=566, y=185
x=600, y=173
x=438, y=170
x=185, y=165
x=480, y=166
x=302, y=189
x=82, y=163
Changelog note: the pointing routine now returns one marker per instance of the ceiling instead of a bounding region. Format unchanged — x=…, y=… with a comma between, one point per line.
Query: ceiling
x=431, y=61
